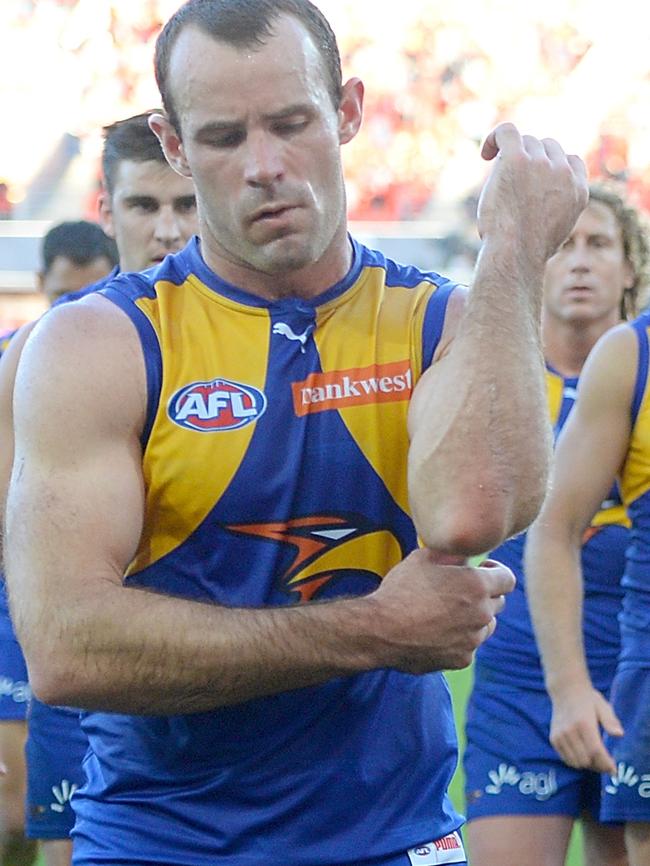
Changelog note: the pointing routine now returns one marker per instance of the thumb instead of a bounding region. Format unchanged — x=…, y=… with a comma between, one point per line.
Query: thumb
x=608, y=718
x=502, y=136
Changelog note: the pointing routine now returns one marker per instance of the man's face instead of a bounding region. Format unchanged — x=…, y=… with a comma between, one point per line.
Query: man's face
x=261, y=139
x=151, y=213
x=585, y=279
x=66, y=276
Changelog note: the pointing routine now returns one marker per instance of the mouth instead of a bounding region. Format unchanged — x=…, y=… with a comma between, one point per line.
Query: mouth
x=157, y=259
x=271, y=213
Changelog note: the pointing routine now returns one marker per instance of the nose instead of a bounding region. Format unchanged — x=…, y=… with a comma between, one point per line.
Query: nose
x=263, y=164
x=579, y=257
x=168, y=230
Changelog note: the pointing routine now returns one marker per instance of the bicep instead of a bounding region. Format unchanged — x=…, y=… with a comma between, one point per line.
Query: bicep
x=74, y=509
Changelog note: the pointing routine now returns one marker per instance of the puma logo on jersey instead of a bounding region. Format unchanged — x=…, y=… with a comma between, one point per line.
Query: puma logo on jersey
x=287, y=331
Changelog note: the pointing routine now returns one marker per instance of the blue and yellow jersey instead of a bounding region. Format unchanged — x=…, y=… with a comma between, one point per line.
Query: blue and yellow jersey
x=635, y=489
x=511, y=653
x=274, y=458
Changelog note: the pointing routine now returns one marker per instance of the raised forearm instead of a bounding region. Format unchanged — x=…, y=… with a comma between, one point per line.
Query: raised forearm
x=480, y=446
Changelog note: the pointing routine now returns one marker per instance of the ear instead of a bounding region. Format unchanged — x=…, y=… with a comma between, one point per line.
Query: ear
x=350, y=109
x=40, y=281
x=630, y=277
x=171, y=143
x=106, y=214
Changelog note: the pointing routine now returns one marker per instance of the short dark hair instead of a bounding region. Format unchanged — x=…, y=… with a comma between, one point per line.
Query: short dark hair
x=82, y=242
x=636, y=245
x=130, y=139
x=244, y=24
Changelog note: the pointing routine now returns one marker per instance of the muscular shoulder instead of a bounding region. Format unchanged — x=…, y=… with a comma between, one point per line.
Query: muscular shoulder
x=83, y=360
x=611, y=368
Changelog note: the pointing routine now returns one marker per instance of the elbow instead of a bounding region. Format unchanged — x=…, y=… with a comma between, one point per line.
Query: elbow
x=476, y=508
x=467, y=532
x=473, y=524
x=51, y=676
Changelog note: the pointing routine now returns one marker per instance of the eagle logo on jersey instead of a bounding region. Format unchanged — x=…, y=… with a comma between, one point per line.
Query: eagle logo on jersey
x=327, y=548
x=215, y=406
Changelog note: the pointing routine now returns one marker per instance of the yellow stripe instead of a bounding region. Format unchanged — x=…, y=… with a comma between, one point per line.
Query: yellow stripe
x=179, y=499
x=555, y=394
x=635, y=478
x=381, y=325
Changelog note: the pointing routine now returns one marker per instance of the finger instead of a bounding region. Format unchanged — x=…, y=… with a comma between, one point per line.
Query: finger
x=608, y=718
x=533, y=146
x=498, y=578
x=572, y=749
x=600, y=759
x=487, y=631
x=503, y=136
x=500, y=603
x=563, y=748
x=446, y=558
x=580, y=749
x=578, y=166
x=554, y=150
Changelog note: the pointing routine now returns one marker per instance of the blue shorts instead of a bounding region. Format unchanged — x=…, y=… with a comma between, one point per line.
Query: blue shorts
x=14, y=688
x=54, y=752
x=510, y=766
x=626, y=796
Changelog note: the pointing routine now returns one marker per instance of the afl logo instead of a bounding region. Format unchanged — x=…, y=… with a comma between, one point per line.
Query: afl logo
x=217, y=405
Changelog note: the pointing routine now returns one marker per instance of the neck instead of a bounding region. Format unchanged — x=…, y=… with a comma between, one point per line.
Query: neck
x=303, y=281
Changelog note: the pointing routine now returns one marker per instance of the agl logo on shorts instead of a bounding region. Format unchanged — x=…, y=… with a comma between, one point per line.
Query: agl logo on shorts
x=217, y=405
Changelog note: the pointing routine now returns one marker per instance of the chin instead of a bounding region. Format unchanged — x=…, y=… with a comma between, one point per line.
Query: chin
x=289, y=257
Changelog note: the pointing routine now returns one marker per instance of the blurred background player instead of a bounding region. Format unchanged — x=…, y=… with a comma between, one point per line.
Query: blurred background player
x=607, y=439
x=150, y=211
x=72, y=255
x=522, y=799
x=75, y=254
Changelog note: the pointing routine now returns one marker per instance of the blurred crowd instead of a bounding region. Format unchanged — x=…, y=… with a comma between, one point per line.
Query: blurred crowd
x=438, y=76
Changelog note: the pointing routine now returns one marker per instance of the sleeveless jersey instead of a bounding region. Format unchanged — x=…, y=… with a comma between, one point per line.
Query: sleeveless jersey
x=635, y=489
x=511, y=654
x=275, y=469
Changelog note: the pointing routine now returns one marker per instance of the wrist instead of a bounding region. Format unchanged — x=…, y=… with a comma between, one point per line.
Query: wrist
x=513, y=260
x=567, y=682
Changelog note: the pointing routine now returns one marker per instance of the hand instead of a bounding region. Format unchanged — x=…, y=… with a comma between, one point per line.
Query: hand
x=534, y=195
x=575, y=729
x=432, y=615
